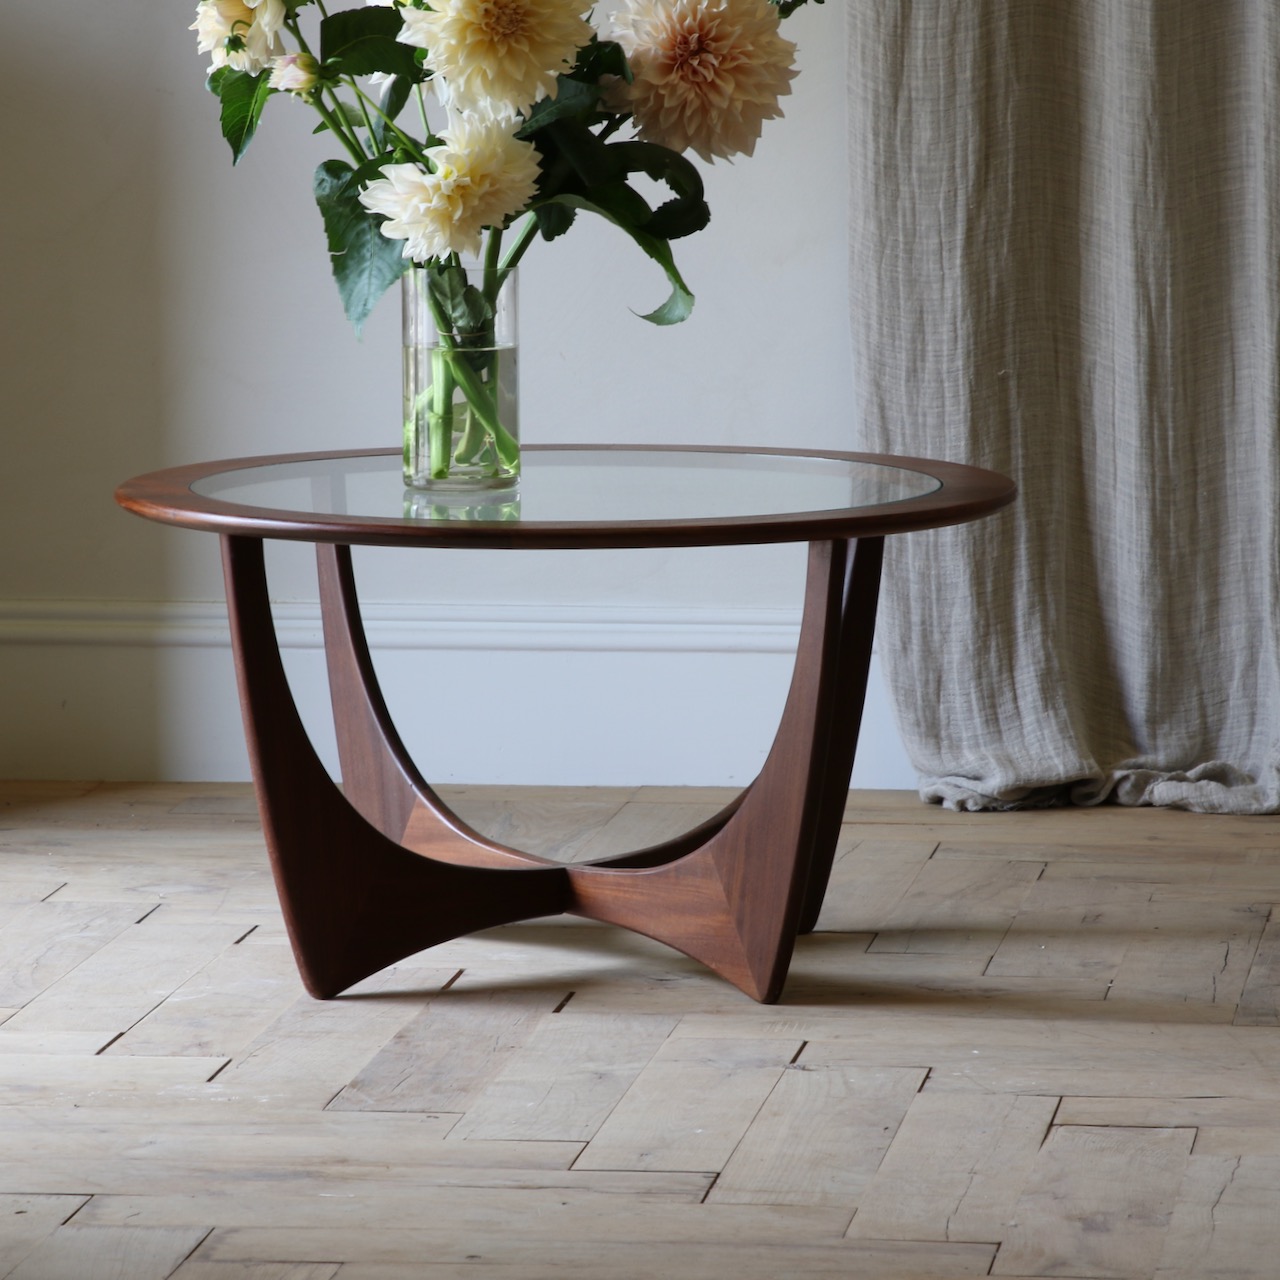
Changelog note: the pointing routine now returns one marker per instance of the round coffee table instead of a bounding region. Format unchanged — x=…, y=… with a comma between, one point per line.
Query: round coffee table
x=381, y=868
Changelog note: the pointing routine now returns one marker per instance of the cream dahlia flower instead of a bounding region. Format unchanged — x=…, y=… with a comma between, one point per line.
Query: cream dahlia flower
x=498, y=57
x=708, y=73
x=483, y=175
x=241, y=34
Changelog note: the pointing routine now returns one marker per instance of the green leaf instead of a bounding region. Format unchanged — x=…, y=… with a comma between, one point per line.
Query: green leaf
x=680, y=304
x=573, y=98
x=787, y=7
x=362, y=41
x=242, y=96
x=365, y=262
x=553, y=219
x=594, y=162
x=623, y=204
x=687, y=211
x=465, y=306
x=603, y=58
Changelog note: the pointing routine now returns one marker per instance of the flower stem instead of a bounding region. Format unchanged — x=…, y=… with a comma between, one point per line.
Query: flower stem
x=333, y=119
x=407, y=141
x=339, y=130
x=524, y=238
x=451, y=369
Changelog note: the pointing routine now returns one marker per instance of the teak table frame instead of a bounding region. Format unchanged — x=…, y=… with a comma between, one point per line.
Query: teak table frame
x=381, y=868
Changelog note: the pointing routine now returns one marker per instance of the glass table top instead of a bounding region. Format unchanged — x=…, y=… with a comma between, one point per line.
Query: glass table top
x=586, y=496
x=590, y=486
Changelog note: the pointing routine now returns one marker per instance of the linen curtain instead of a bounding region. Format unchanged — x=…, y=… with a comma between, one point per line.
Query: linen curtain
x=1065, y=266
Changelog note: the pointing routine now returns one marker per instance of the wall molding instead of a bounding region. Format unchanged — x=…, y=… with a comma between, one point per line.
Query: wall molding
x=410, y=626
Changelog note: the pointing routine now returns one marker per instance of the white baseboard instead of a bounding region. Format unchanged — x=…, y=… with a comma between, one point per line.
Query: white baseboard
x=548, y=695
x=410, y=626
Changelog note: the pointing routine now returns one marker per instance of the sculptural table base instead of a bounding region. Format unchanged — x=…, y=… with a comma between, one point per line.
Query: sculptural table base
x=380, y=869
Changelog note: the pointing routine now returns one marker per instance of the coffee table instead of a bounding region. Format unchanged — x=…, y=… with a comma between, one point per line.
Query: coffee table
x=380, y=868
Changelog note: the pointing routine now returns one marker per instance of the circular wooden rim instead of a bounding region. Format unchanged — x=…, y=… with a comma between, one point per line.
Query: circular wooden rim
x=964, y=493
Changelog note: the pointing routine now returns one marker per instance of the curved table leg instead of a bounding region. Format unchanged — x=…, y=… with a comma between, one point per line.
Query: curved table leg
x=736, y=903
x=857, y=626
x=378, y=776
x=354, y=901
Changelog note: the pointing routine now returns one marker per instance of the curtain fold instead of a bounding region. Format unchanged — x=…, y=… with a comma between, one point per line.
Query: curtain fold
x=1065, y=265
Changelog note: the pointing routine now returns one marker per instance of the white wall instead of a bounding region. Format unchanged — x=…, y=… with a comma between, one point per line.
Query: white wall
x=160, y=307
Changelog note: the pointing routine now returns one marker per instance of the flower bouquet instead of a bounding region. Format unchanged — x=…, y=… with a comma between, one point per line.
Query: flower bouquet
x=525, y=116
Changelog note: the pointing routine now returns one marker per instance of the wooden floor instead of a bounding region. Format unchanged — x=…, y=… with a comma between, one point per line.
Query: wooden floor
x=1024, y=1045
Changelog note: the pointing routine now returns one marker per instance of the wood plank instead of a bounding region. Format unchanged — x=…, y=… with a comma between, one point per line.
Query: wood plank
x=1170, y=1113
x=1252, y=874
x=958, y=907
x=1225, y=1221
x=443, y=1056
x=496, y=1255
x=955, y=1169
x=868, y=879
x=195, y=1269
x=565, y=1079
x=24, y=883
x=819, y=1137
x=141, y=805
x=1084, y=1081
x=832, y=971
x=1187, y=868
x=500, y=1224
x=556, y=956
x=622, y=972
x=1260, y=1000
x=197, y=880
x=553, y=823
x=1191, y=952
x=26, y=1220
x=93, y=1150
x=56, y=1043
x=41, y=942
x=88, y=1079
x=689, y=1108
x=125, y=978
x=704, y=798
x=641, y=823
x=221, y=1009
x=308, y=1054
x=980, y=1048
x=392, y=1202
x=1097, y=1203
x=1239, y=1140
x=1079, y=926
x=109, y=1253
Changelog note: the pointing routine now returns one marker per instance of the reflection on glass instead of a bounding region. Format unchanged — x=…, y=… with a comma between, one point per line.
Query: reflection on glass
x=434, y=504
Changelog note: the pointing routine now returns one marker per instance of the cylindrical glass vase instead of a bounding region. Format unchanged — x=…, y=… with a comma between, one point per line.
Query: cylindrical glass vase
x=461, y=402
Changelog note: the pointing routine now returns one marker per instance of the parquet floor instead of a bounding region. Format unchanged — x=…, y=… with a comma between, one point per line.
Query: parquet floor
x=1024, y=1045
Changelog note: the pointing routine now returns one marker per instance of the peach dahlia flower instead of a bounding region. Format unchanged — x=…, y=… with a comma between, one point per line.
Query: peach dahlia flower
x=708, y=73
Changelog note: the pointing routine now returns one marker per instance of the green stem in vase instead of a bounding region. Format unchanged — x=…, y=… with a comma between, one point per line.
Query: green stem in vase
x=452, y=369
x=440, y=414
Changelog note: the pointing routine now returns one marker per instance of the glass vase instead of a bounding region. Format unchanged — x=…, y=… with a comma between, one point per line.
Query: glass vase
x=461, y=403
